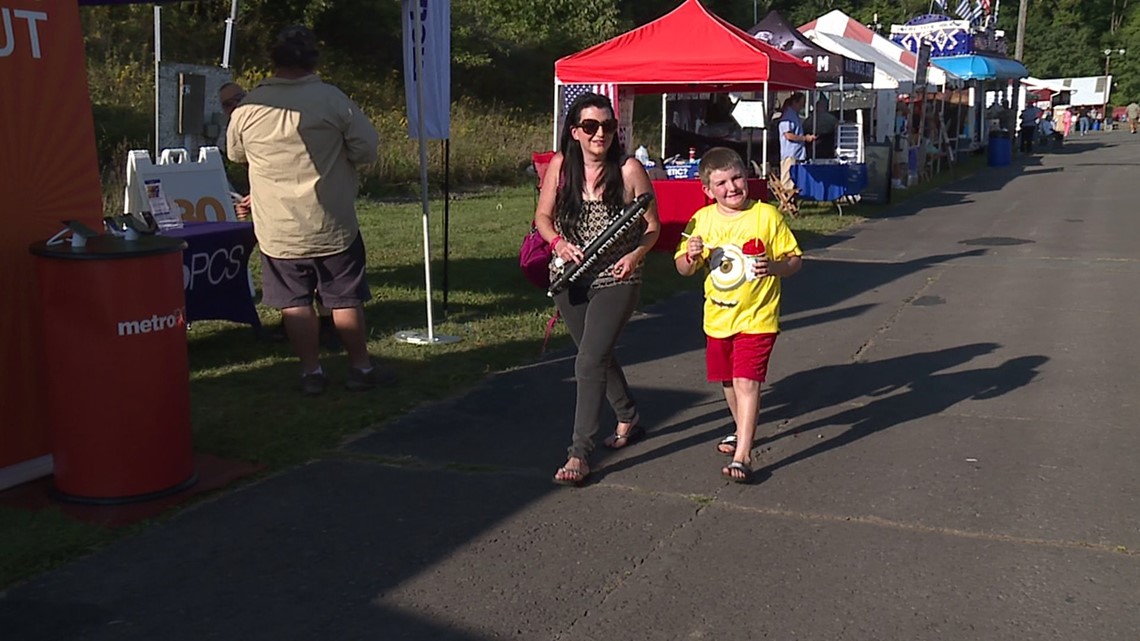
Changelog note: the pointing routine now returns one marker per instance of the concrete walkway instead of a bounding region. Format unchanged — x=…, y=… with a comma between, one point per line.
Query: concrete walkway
x=949, y=452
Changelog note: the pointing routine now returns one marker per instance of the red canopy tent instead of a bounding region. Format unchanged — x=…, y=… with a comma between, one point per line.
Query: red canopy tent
x=690, y=48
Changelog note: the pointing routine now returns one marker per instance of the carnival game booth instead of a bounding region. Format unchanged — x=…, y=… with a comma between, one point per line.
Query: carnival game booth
x=974, y=54
x=911, y=97
x=896, y=67
x=836, y=168
x=653, y=59
x=836, y=74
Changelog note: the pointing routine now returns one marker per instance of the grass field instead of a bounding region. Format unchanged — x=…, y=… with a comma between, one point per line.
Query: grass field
x=244, y=391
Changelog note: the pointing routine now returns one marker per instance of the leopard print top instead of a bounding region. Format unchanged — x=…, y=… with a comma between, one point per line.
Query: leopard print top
x=596, y=217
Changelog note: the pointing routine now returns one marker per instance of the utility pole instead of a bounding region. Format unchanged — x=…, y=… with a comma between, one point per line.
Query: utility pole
x=1022, y=9
x=1108, y=53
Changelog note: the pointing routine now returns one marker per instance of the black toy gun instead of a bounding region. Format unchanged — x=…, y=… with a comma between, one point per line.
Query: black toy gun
x=627, y=219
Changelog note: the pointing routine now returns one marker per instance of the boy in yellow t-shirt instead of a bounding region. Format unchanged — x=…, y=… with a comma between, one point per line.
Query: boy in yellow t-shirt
x=747, y=249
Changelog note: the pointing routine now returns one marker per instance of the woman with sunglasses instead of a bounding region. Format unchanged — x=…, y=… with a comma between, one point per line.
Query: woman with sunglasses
x=587, y=184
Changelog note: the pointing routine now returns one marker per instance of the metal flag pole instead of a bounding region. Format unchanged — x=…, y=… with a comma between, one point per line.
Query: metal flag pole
x=416, y=337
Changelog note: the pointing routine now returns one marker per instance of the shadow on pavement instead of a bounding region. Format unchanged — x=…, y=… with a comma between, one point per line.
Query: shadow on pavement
x=920, y=392
x=824, y=283
x=908, y=388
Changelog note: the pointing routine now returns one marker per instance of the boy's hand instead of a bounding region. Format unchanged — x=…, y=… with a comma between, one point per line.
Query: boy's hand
x=760, y=266
x=695, y=248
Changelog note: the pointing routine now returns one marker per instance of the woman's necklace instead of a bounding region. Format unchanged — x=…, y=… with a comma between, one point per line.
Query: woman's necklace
x=590, y=189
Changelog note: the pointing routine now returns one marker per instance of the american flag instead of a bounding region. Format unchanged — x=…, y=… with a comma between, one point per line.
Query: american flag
x=571, y=92
x=975, y=13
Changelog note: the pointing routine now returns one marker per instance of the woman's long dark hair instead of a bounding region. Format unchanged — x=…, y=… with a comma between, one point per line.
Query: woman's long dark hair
x=568, y=204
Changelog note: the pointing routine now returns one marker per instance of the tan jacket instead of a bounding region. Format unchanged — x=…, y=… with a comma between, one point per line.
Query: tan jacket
x=304, y=141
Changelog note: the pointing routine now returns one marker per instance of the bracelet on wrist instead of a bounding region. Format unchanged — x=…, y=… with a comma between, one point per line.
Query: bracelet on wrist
x=554, y=241
x=689, y=259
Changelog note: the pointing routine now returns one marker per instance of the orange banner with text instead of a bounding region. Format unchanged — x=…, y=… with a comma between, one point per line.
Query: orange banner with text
x=48, y=173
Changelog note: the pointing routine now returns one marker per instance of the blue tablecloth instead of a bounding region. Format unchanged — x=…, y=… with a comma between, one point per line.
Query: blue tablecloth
x=215, y=271
x=829, y=182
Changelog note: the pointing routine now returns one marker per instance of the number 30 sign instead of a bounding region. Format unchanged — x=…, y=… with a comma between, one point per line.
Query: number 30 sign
x=199, y=190
x=206, y=209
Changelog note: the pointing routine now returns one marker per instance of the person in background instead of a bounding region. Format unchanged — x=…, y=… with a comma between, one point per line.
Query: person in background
x=1008, y=116
x=792, y=138
x=1049, y=133
x=230, y=95
x=1133, y=113
x=745, y=250
x=1067, y=121
x=1028, y=130
x=305, y=141
x=588, y=184
x=1083, y=120
x=822, y=124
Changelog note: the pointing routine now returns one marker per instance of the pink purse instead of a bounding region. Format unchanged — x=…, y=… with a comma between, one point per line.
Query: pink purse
x=534, y=258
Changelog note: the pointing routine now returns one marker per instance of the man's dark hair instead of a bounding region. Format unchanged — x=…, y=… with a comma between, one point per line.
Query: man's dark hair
x=295, y=48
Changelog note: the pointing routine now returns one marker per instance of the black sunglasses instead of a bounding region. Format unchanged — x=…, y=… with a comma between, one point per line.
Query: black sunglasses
x=590, y=126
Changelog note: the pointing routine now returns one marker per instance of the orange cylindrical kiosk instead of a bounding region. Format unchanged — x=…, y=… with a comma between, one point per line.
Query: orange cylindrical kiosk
x=117, y=372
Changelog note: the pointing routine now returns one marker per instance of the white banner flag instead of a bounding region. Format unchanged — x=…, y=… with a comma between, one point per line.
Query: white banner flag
x=435, y=49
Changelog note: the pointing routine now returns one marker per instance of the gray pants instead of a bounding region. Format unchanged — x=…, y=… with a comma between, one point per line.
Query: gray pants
x=595, y=318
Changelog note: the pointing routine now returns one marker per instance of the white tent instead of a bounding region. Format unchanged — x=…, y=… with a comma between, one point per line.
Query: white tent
x=889, y=73
x=1089, y=91
x=891, y=78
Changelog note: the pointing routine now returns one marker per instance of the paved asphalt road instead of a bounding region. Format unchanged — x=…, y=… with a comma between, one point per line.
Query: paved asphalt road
x=949, y=451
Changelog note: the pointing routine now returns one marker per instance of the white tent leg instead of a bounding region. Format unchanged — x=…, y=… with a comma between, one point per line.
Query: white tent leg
x=664, y=122
x=557, y=112
x=815, y=119
x=841, y=99
x=157, y=61
x=767, y=122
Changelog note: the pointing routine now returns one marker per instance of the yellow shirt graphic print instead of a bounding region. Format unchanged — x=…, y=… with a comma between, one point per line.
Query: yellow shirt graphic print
x=735, y=303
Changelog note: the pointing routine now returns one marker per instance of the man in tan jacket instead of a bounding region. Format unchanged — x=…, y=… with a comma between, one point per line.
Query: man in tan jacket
x=304, y=141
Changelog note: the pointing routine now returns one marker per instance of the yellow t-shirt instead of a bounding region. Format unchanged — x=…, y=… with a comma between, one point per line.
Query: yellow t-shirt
x=734, y=304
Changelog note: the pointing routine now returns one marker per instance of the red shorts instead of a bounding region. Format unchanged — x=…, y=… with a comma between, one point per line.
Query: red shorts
x=739, y=356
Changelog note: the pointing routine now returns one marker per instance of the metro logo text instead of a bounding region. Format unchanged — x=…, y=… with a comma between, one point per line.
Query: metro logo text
x=155, y=323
